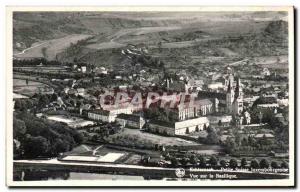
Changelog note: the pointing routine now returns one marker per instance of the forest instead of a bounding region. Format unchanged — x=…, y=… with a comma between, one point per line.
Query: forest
x=35, y=137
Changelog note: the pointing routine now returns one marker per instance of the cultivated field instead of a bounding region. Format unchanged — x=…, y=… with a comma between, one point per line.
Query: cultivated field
x=20, y=86
x=275, y=62
x=145, y=137
x=125, y=36
x=49, y=49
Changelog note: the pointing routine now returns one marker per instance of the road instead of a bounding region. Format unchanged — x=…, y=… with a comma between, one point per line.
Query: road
x=27, y=49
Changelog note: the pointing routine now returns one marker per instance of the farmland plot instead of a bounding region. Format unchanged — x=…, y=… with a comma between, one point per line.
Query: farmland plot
x=49, y=49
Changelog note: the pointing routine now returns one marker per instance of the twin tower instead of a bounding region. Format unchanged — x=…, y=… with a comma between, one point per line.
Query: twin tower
x=234, y=95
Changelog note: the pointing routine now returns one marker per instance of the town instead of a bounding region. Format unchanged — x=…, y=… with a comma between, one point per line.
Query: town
x=221, y=112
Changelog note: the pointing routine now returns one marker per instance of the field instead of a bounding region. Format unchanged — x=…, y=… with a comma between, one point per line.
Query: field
x=21, y=82
x=19, y=96
x=20, y=86
x=103, y=153
x=126, y=36
x=43, y=68
x=49, y=49
x=73, y=122
x=145, y=137
x=275, y=62
x=108, y=158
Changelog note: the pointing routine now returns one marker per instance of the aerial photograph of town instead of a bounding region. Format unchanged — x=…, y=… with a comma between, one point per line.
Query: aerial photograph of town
x=150, y=95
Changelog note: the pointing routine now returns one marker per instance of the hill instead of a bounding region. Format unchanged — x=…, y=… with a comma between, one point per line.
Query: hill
x=99, y=38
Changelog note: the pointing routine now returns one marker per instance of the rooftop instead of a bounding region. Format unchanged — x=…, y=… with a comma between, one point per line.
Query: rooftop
x=208, y=94
x=129, y=117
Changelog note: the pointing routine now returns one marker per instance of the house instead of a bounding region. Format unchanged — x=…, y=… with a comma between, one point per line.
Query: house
x=267, y=136
x=130, y=120
x=72, y=91
x=118, y=77
x=101, y=115
x=247, y=117
x=101, y=70
x=250, y=100
x=179, y=127
x=215, y=86
x=83, y=69
x=268, y=106
x=80, y=91
x=66, y=90
x=109, y=114
x=188, y=109
x=266, y=72
x=205, y=106
x=283, y=102
x=45, y=90
x=220, y=119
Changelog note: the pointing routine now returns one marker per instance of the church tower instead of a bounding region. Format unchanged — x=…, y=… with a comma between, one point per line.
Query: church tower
x=238, y=98
x=229, y=98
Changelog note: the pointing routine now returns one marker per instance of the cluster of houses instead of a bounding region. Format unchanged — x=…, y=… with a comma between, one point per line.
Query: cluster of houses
x=208, y=108
x=217, y=102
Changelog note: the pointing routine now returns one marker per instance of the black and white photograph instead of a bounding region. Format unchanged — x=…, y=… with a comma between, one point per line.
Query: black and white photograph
x=150, y=96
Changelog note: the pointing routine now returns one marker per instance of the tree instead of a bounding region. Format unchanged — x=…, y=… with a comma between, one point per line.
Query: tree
x=59, y=146
x=223, y=163
x=35, y=146
x=233, y=163
x=243, y=162
x=187, y=131
x=53, y=97
x=238, y=139
x=213, y=161
x=212, y=136
x=184, y=161
x=251, y=141
x=284, y=165
x=220, y=123
x=159, y=45
x=244, y=142
x=174, y=162
x=19, y=129
x=230, y=145
x=78, y=137
x=42, y=137
x=19, y=105
x=254, y=164
x=202, y=162
x=264, y=163
x=193, y=160
x=43, y=100
x=274, y=165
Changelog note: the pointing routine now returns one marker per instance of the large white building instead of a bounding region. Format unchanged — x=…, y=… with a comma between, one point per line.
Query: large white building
x=109, y=115
x=131, y=121
x=178, y=128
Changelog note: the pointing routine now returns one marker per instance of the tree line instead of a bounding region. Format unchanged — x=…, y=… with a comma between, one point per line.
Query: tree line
x=35, y=137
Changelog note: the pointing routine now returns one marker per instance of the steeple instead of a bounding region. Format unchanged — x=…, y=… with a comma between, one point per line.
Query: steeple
x=229, y=87
x=237, y=88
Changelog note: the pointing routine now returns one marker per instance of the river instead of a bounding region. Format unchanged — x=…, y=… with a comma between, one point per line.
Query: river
x=42, y=175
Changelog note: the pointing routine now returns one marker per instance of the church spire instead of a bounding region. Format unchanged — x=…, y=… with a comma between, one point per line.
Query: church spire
x=229, y=87
x=237, y=87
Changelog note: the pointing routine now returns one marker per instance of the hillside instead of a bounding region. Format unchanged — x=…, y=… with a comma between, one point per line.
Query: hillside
x=99, y=38
x=34, y=27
